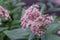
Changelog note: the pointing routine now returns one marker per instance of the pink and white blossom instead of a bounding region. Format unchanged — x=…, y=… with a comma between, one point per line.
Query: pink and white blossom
x=4, y=13
x=35, y=20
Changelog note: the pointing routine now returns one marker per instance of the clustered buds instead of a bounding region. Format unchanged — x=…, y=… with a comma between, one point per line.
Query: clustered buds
x=4, y=13
x=36, y=20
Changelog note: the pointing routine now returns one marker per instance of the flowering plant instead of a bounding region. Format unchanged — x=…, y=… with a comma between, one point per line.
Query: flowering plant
x=22, y=20
x=35, y=20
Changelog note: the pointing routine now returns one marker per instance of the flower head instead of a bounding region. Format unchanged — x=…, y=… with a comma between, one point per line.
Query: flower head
x=4, y=13
x=35, y=20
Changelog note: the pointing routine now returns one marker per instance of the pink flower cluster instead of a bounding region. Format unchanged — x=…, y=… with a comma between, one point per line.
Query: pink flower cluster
x=35, y=20
x=4, y=13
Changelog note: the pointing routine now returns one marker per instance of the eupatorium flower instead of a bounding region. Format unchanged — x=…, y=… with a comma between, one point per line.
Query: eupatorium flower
x=35, y=20
x=4, y=13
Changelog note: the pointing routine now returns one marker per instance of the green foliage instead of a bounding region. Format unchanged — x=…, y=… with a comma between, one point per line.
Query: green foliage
x=15, y=10
x=17, y=33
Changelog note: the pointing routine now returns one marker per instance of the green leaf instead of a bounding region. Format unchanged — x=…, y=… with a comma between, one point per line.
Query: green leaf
x=31, y=36
x=53, y=26
x=15, y=22
x=23, y=12
x=50, y=5
x=43, y=7
x=15, y=10
x=54, y=10
x=43, y=37
x=52, y=37
x=17, y=33
x=3, y=28
x=20, y=4
x=50, y=34
x=1, y=36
